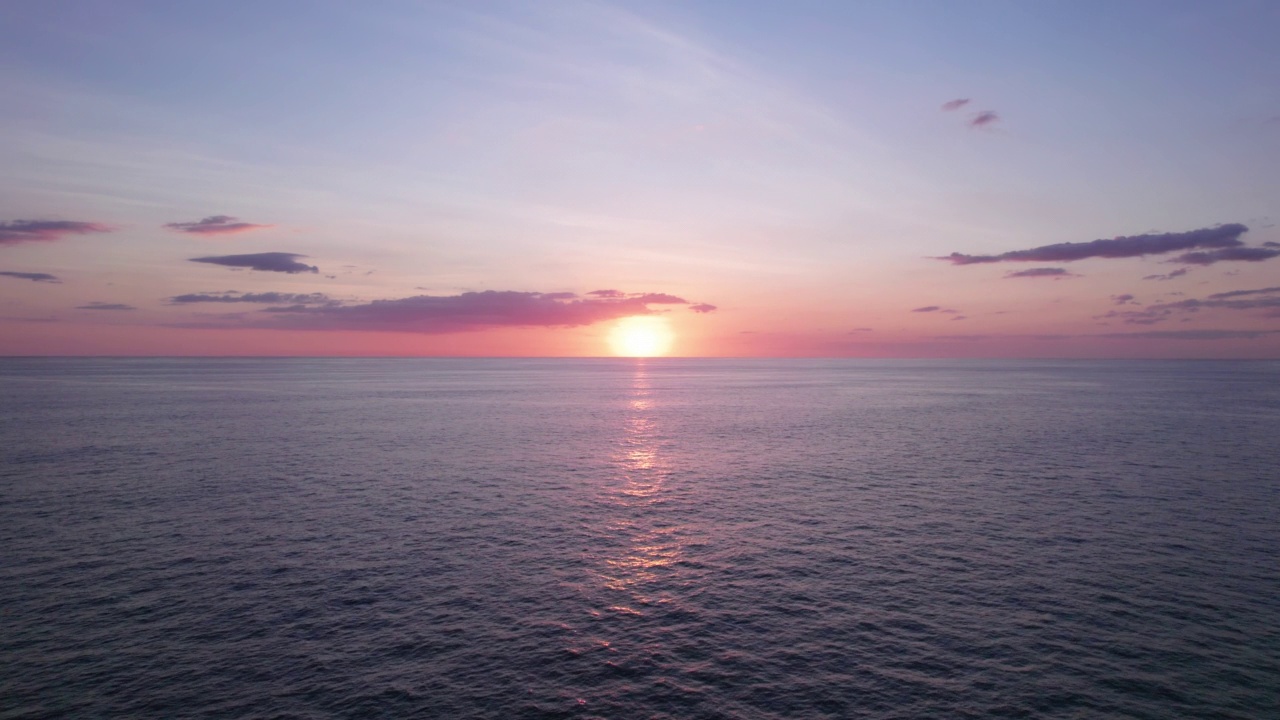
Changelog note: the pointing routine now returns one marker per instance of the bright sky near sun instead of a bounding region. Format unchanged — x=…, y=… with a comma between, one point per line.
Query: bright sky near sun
x=1023, y=179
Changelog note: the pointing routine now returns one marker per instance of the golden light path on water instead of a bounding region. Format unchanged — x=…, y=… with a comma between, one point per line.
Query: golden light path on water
x=653, y=544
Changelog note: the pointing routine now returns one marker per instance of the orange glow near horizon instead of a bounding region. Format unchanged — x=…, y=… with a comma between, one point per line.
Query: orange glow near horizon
x=641, y=336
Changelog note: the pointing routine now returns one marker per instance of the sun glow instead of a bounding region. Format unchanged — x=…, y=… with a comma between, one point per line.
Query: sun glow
x=641, y=336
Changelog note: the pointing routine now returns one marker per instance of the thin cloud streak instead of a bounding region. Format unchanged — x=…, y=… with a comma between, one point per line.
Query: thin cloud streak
x=984, y=118
x=105, y=306
x=23, y=231
x=1222, y=236
x=215, y=225
x=33, y=277
x=1054, y=273
x=264, y=298
x=282, y=262
x=1240, y=254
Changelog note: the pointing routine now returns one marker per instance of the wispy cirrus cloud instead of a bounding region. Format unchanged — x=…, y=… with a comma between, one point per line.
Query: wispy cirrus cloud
x=105, y=306
x=1239, y=254
x=1260, y=299
x=33, y=277
x=263, y=298
x=1221, y=236
x=215, y=225
x=21, y=231
x=984, y=118
x=467, y=311
x=935, y=309
x=1189, y=335
x=1242, y=293
x=1046, y=272
x=1169, y=276
x=282, y=262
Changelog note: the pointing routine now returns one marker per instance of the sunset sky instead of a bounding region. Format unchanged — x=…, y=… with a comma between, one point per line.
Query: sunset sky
x=880, y=179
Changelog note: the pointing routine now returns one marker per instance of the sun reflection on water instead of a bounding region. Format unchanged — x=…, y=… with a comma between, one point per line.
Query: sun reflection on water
x=653, y=545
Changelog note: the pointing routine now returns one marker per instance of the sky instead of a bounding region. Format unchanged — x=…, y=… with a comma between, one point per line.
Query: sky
x=819, y=179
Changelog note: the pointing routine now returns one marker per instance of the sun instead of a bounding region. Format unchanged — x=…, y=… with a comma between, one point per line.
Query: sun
x=641, y=336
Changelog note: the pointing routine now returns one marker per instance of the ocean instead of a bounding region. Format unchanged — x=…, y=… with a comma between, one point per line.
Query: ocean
x=456, y=538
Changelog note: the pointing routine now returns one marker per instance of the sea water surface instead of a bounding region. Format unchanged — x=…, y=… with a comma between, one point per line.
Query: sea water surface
x=639, y=539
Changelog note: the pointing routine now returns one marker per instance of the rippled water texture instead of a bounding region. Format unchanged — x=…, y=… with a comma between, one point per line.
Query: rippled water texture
x=669, y=539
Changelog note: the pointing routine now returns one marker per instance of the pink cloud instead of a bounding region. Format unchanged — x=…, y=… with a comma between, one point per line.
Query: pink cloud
x=215, y=225
x=466, y=312
x=955, y=104
x=20, y=231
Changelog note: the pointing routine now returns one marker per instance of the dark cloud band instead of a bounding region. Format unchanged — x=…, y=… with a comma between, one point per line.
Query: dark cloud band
x=20, y=231
x=33, y=277
x=282, y=262
x=1222, y=236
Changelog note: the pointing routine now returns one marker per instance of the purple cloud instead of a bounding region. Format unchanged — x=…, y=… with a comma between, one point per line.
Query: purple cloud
x=1190, y=335
x=927, y=308
x=1260, y=299
x=954, y=104
x=1244, y=254
x=105, y=306
x=1175, y=274
x=1125, y=299
x=1241, y=293
x=33, y=277
x=703, y=308
x=264, y=298
x=984, y=118
x=215, y=225
x=467, y=311
x=1222, y=236
x=657, y=299
x=20, y=231
x=267, y=262
x=1271, y=244
x=605, y=293
x=1054, y=273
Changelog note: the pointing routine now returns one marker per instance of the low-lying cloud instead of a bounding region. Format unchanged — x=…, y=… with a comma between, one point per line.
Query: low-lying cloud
x=263, y=298
x=21, y=231
x=215, y=225
x=1239, y=254
x=1242, y=293
x=282, y=262
x=1222, y=236
x=470, y=311
x=105, y=306
x=1046, y=272
x=33, y=277
x=1267, y=299
x=1169, y=276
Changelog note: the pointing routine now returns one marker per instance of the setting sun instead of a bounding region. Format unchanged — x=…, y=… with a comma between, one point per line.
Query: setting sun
x=644, y=336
